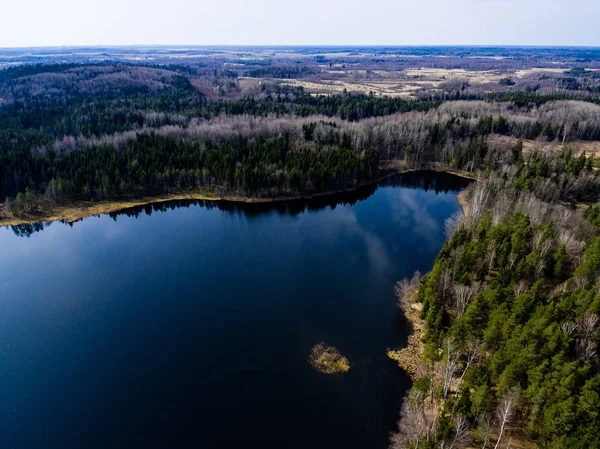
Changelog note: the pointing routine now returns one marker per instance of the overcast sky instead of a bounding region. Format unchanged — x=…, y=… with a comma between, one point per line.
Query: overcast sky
x=306, y=22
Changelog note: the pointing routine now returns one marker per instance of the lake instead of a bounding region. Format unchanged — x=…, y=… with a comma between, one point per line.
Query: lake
x=189, y=324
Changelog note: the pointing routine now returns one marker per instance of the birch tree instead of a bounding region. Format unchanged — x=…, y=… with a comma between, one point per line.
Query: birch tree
x=505, y=412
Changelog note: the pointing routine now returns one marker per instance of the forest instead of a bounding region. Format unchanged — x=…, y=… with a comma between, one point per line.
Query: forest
x=511, y=309
x=275, y=155
x=98, y=132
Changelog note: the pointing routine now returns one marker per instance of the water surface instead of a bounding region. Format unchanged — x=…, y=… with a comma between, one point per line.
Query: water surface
x=189, y=324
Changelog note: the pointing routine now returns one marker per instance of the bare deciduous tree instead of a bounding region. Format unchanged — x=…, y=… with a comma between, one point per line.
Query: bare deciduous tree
x=414, y=423
x=505, y=412
x=477, y=205
x=587, y=328
x=464, y=294
x=568, y=327
x=445, y=283
x=473, y=347
x=406, y=290
x=586, y=350
x=539, y=268
x=520, y=287
x=588, y=323
x=512, y=259
x=451, y=357
x=580, y=282
x=461, y=427
x=453, y=224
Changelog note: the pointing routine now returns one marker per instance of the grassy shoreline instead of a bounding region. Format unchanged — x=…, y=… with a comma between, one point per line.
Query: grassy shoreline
x=79, y=210
x=410, y=358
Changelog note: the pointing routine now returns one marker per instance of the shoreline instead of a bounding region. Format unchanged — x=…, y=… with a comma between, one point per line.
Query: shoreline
x=410, y=358
x=462, y=200
x=83, y=209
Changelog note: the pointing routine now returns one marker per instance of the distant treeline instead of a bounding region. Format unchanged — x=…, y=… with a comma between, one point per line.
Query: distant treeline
x=283, y=72
x=96, y=132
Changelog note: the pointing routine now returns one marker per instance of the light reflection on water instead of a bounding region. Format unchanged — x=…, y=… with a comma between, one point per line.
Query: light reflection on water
x=189, y=323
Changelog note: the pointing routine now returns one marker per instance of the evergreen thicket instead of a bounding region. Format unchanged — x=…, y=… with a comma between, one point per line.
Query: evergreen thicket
x=512, y=310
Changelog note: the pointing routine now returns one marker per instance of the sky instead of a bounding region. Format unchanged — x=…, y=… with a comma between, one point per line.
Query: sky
x=306, y=22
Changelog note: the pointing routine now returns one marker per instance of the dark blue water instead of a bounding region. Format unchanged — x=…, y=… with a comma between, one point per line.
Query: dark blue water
x=189, y=325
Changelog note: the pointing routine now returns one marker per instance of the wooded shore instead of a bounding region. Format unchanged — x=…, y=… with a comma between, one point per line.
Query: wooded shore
x=78, y=210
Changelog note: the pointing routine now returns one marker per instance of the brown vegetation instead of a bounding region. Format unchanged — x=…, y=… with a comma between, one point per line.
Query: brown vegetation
x=410, y=358
x=328, y=359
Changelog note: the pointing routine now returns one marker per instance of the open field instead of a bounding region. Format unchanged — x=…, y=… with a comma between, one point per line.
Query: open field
x=439, y=75
x=419, y=81
x=391, y=89
x=590, y=148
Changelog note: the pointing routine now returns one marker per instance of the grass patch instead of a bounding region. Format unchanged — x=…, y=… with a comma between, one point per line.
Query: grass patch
x=328, y=359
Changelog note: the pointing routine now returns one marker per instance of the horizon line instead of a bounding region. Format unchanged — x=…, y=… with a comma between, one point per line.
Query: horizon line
x=350, y=46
